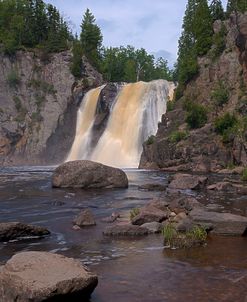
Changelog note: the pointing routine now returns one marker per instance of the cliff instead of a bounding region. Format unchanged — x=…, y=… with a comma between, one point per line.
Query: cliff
x=39, y=98
x=222, y=77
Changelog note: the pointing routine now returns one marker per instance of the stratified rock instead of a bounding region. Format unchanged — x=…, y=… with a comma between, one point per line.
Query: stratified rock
x=223, y=223
x=187, y=181
x=149, y=214
x=42, y=276
x=87, y=174
x=84, y=218
x=14, y=230
x=153, y=227
x=125, y=230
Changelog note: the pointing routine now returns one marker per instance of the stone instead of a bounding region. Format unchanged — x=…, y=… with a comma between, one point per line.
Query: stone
x=220, y=186
x=187, y=182
x=153, y=227
x=86, y=174
x=159, y=203
x=15, y=230
x=114, y=216
x=149, y=214
x=180, y=204
x=179, y=217
x=84, y=218
x=125, y=230
x=152, y=187
x=222, y=223
x=43, y=276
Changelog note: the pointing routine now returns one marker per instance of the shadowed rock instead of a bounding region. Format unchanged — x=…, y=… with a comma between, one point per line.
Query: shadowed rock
x=125, y=230
x=42, y=276
x=186, y=181
x=87, y=174
x=14, y=230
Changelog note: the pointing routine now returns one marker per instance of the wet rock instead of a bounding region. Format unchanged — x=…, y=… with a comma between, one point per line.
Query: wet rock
x=180, y=204
x=149, y=214
x=87, y=174
x=159, y=203
x=220, y=186
x=187, y=181
x=114, y=216
x=153, y=227
x=184, y=225
x=15, y=230
x=222, y=223
x=152, y=187
x=42, y=276
x=125, y=230
x=84, y=218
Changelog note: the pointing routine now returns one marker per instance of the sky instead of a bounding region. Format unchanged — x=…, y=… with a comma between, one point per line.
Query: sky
x=152, y=24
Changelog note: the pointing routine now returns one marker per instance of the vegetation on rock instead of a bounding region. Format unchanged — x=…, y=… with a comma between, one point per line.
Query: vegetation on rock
x=196, y=115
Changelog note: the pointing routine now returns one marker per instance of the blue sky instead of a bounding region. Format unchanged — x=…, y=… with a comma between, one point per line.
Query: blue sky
x=152, y=24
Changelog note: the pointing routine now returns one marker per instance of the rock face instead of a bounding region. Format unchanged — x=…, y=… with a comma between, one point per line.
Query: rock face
x=39, y=98
x=186, y=181
x=203, y=150
x=14, y=230
x=87, y=174
x=85, y=218
x=41, y=276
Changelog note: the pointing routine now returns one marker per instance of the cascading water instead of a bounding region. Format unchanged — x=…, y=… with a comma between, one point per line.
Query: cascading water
x=134, y=117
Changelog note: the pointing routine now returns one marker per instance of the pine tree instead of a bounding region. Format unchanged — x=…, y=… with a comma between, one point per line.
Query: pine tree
x=236, y=6
x=91, y=38
x=217, y=11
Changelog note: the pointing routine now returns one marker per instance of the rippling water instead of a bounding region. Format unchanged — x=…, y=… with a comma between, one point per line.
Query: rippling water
x=129, y=270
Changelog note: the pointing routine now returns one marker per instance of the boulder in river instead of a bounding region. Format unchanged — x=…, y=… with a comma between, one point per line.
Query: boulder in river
x=84, y=218
x=87, y=174
x=149, y=214
x=42, y=276
x=125, y=230
x=187, y=181
x=15, y=230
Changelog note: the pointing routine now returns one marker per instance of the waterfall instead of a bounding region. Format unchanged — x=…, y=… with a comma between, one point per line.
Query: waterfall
x=134, y=116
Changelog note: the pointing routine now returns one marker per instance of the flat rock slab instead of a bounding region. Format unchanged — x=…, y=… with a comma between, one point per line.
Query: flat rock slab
x=86, y=174
x=223, y=223
x=15, y=230
x=42, y=276
x=188, y=182
x=125, y=230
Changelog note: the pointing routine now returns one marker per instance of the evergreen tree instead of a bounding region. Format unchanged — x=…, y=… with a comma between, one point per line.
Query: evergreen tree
x=217, y=11
x=236, y=6
x=91, y=38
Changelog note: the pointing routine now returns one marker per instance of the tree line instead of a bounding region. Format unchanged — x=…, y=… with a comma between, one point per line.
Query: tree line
x=32, y=23
x=197, y=36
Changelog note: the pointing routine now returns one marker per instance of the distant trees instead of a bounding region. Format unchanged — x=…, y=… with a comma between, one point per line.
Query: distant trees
x=236, y=6
x=217, y=10
x=130, y=65
x=32, y=23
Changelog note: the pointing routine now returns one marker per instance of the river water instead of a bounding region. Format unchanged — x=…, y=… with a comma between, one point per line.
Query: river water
x=129, y=270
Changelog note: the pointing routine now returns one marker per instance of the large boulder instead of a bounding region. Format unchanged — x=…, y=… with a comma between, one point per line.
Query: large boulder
x=42, y=276
x=187, y=181
x=87, y=174
x=222, y=223
x=14, y=230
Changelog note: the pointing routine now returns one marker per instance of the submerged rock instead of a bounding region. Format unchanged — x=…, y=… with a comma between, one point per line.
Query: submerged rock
x=125, y=230
x=42, y=276
x=15, y=230
x=84, y=218
x=87, y=174
x=187, y=181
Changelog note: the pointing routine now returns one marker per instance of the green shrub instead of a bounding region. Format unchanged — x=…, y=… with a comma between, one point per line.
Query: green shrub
x=150, y=140
x=13, y=79
x=169, y=233
x=220, y=95
x=219, y=42
x=225, y=122
x=177, y=136
x=197, y=233
x=196, y=115
x=244, y=175
x=134, y=212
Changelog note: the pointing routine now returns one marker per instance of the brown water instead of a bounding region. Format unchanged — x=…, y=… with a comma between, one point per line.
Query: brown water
x=129, y=270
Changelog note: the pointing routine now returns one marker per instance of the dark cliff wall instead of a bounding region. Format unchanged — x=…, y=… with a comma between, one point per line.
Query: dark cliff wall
x=202, y=149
